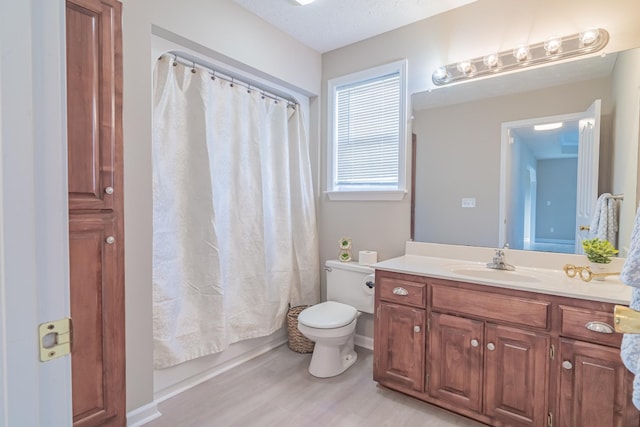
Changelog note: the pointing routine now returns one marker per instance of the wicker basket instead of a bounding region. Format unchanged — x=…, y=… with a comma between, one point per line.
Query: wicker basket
x=297, y=342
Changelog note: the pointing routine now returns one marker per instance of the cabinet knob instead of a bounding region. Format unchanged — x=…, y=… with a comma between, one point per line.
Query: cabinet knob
x=474, y=343
x=400, y=291
x=567, y=365
x=416, y=329
x=110, y=240
x=108, y=190
x=491, y=346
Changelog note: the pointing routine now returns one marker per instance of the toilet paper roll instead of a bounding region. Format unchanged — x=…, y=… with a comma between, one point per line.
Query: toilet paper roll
x=367, y=257
x=371, y=278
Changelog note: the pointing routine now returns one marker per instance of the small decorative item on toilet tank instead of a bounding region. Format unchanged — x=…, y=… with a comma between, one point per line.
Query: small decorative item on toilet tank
x=345, y=249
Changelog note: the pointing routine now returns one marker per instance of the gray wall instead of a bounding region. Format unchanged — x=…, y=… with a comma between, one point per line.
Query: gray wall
x=556, y=198
x=625, y=138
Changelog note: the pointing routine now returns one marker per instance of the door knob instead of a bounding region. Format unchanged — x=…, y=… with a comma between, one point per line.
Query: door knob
x=110, y=240
x=416, y=329
x=491, y=346
x=567, y=365
x=108, y=190
x=474, y=343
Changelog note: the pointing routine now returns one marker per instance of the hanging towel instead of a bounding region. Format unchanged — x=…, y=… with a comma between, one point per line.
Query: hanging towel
x=604, y=222
x=630, y=275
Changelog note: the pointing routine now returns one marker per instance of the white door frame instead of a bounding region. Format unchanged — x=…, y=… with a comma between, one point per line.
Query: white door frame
x=34, y=283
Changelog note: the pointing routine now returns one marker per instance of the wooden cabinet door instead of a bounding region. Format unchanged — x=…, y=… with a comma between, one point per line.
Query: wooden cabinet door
x=455, y=360
x=97, y=356
x=516, y=376
x=595, y=387
x=400, y=346
x=93, y=46
x=96, y=232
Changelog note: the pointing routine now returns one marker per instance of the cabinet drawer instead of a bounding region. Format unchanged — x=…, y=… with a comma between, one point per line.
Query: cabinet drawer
x=402, y=291
x=492, y=306
x=575, y=323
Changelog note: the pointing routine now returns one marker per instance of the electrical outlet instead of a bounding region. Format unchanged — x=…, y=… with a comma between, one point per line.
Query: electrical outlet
x=469, y=202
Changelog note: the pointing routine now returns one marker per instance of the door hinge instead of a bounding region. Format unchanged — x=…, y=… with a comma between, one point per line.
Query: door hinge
x=549, y=419
x=552, y=352
x=56, y=339
x=427, y=380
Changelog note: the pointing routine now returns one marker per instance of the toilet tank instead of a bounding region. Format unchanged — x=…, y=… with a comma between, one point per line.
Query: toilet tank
x=347, y=283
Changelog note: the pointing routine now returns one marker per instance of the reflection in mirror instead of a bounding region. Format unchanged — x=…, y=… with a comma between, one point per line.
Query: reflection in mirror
x=549, y=168
x=458, y=149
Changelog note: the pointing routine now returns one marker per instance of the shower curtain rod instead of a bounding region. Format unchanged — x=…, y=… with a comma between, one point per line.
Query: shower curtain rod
x=231, y=79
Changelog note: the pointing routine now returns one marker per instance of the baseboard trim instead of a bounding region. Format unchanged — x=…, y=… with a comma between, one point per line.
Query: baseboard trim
x=364, y=341
x=142, y=415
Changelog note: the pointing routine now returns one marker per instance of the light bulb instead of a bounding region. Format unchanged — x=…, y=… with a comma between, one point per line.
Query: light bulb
x=492, y=60
x=589, y=36
x=521, y=53
x=440, y=73
x=552, y=45
x=465, y=67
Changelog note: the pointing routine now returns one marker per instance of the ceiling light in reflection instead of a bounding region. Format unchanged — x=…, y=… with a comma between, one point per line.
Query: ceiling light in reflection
x=548, y=126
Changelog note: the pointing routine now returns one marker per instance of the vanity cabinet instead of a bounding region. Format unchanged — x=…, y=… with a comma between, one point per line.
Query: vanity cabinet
x=501, y=356
x=594, y=384
x=497, y=370
x=399, y=332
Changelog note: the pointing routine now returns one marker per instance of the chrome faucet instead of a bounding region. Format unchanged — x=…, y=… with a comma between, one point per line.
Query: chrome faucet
x=498, y=262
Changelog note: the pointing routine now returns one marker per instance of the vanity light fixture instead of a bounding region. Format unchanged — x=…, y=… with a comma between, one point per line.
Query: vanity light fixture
x=548, y=126
x=522, y=56
x=304, y=2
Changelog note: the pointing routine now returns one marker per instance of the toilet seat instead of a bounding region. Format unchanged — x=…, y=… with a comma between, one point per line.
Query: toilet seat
x=328, y=315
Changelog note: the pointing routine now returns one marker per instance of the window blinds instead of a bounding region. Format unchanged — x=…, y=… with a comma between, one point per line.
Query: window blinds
x=368, y=132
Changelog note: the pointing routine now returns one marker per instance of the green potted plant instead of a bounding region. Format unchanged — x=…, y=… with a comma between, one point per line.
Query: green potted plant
x=599, y=251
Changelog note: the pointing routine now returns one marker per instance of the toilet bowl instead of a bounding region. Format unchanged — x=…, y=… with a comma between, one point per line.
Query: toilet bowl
x=332, y=324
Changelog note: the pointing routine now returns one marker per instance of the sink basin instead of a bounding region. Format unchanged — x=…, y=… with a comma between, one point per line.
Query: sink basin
x=493, y=274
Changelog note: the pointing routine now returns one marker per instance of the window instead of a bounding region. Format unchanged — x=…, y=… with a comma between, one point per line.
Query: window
x=367, y=134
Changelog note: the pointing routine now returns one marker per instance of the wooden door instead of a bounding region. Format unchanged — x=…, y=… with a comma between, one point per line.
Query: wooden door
x=96, y=232
x=595, y=387
x=455, y=360
x=400, y=346
x=516, y=375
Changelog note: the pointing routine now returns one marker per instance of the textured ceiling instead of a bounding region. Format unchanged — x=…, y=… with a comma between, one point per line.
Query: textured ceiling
x=329, y=24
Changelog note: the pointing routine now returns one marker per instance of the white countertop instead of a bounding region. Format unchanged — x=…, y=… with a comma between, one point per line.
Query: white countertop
x=546, y=276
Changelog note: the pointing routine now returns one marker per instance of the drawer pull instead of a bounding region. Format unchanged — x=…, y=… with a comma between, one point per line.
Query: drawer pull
x=491, y=346
x=599, y=327
x=400, y=291
x=567, y=365
x=474, y=343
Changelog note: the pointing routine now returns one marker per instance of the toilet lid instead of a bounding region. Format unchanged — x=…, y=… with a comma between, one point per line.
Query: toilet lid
x=327, y=315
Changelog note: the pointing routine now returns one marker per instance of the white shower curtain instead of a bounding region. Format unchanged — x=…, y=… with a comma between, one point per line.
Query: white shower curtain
x=234, y=227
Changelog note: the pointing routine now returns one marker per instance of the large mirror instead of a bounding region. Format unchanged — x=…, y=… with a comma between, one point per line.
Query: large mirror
x=458, y=143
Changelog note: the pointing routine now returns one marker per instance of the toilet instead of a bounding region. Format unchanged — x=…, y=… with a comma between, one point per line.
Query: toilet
x=332, y=324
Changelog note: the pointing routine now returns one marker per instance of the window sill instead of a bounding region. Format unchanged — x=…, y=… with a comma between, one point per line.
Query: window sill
x=383, y=195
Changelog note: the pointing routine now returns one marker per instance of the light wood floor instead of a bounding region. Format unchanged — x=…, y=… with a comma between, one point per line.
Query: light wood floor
x=276, y=389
